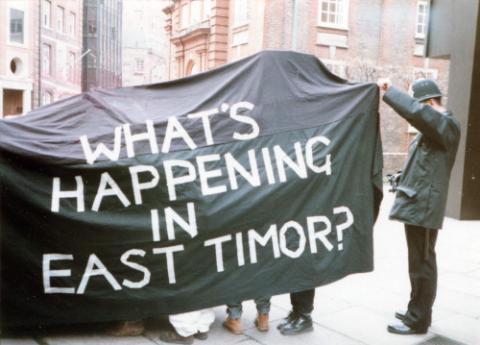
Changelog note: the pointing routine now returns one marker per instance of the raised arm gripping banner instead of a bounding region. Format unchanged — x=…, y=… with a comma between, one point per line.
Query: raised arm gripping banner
x=257, y=178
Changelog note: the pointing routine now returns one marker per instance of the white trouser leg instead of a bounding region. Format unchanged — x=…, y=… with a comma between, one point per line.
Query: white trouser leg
x=207, y=316
x=187, y=324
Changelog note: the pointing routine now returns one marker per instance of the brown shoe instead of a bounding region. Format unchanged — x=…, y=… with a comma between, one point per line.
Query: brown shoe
x=233, y=325
x=127, y=329
x=172, y=337
x=262, y=322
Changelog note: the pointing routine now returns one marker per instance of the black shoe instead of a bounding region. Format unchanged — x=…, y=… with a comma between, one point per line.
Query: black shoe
x=401, y=314
x=299, y=324
x=201, y=335
x=292, y=315
x=403, y=329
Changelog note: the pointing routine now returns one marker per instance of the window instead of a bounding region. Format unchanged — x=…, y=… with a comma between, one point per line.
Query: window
x=139, y=65
x=47, y=13
x=239, y=38
x=195, y=11
x=71, y=67
x=16, y=26
x=16, y=66
x=240, y=12
x=192, y=68
x=71, y=24
x=46, y=59
x=425, y=73
x=422, y=19
x=184, y=13
x=60, y=19
x=207, y=7
x=337, y=67
x=333, y=13
x=47, y=97
x=92, y=29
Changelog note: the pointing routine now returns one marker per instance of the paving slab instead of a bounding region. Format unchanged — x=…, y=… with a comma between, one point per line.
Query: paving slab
x=460, y=282
x=460, y=328
x=319, y=335
x=94, y=340
x=458, y=302
x=367, y=327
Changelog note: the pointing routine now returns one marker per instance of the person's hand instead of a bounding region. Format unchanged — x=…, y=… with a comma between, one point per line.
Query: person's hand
x=384, y=83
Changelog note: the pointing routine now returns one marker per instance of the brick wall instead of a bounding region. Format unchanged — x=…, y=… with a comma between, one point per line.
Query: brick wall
x=378, y=40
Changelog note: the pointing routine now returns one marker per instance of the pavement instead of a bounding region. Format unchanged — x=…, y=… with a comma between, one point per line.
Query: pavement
x=354, y=310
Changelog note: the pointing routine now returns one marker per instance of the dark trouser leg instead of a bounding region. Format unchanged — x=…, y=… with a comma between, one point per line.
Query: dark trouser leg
x=263, y=305
x=302, y=302
x=234, y=310
x=422, y=269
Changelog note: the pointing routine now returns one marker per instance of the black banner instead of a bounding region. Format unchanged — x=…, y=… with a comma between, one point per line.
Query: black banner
x=260, y=177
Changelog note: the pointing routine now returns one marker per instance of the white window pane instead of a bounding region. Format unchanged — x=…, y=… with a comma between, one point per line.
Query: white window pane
x=184, y=16
x=195, y=11
x=46, y=12
x=207, y=7
x=16, y=26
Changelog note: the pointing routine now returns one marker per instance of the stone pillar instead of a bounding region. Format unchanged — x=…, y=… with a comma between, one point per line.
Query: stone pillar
x=27, y=100
x=455, y=32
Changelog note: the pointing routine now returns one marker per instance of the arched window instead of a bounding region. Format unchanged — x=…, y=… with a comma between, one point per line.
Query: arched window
x=192, y=68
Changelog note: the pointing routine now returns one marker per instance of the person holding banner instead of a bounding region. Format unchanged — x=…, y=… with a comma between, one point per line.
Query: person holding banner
x=422, y=192
x=299, y=320
x=187, y=326
x=234, y=310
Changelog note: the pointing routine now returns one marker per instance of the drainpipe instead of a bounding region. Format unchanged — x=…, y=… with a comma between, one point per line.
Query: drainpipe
x=39, y=103
x=294, y=24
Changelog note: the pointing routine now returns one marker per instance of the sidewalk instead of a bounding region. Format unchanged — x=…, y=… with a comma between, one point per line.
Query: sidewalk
x=357, y=309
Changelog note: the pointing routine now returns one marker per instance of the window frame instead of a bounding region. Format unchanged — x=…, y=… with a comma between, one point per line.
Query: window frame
x=72, y=23
x=51, y=96
x=60, y=13
x=44, y=7
x=24, y=26
x=139, y=62
x=337, y=67
x=50, y=51
x=71, y=70
x=245, y=18
x=344, y=14
x=424, y=24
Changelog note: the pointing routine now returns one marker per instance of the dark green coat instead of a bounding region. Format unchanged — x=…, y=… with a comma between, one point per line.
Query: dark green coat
x=422, y=191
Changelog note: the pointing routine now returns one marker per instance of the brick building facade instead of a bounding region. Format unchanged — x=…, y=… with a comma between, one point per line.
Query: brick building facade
x=359, y=40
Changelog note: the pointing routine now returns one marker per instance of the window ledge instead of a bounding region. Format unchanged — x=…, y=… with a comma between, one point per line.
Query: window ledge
x=239, y=28
x=333, y=26
x=16, y=44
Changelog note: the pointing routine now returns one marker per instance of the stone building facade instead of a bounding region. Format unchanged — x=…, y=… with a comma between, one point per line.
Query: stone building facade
x=359, y=40
x=144, y=43
x=40, y=49
x=58, y=52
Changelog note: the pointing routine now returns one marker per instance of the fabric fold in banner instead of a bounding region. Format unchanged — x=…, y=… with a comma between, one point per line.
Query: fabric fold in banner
x=260, y=177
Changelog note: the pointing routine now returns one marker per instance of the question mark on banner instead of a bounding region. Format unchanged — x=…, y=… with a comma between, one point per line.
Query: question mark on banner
x=341, y=227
